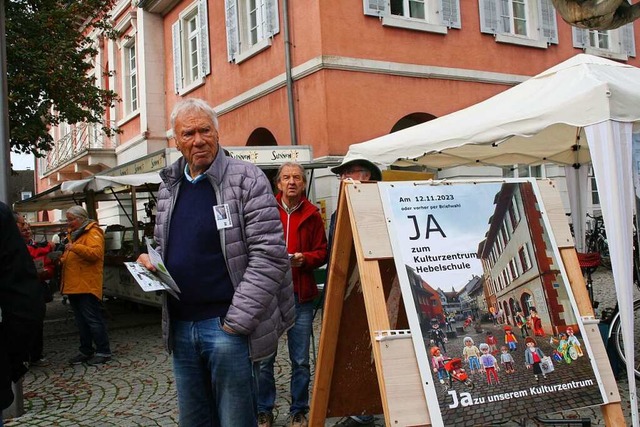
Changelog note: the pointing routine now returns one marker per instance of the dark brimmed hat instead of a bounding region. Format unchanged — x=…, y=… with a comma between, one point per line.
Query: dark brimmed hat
x=376, y=174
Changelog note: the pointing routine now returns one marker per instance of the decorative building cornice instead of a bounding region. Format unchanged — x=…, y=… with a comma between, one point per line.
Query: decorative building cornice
x=342, y=63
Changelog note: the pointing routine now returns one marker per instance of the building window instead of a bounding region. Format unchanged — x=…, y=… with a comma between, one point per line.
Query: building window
x=130, y=78
x=514, y=17
x=25, y=195
x=422, y=15
x=512, y=268
x=525, y=257
x=256, y=20
x=517, y=208
x=599, y=39
x=615, y=44
x=250, y=26
x=408, y=8
x=595, y=197
x=525, y=22
x=191, y=47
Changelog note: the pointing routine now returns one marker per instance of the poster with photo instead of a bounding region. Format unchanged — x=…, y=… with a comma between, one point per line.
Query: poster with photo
x=494, y=324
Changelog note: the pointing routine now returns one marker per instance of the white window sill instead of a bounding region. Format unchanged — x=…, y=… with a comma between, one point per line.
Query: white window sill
x=522, y=41
x=253, y=50
x=191, y=86
x=128, y=117
x=603, y=53
x=412, y=24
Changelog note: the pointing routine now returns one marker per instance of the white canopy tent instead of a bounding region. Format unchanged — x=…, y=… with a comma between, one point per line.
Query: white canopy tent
x=582, y=110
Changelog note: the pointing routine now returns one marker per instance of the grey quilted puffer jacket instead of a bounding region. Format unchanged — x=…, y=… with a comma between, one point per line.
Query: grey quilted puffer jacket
x=263, y=303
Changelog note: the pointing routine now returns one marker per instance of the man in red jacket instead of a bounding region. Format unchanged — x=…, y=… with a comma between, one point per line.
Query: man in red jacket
x=307, y=246
x=45, y=269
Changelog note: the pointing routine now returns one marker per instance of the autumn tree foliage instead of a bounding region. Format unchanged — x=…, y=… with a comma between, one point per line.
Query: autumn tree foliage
x=49, y=60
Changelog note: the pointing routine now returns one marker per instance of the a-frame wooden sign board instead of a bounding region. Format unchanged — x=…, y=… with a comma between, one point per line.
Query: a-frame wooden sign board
x=356, y=370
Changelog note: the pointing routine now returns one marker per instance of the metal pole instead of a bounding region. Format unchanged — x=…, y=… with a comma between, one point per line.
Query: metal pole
x=5, y=164
x=17, y=407
x=287, y=69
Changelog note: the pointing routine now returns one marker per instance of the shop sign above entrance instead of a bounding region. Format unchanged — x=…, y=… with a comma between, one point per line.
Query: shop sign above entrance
x=272, y=155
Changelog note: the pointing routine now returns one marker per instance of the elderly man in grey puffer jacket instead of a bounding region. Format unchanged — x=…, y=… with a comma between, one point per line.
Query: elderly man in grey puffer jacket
x=233, y=272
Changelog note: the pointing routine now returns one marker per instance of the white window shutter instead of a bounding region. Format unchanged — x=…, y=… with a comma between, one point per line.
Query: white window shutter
x=176, y=32
x=580, y=38
x=451, y=13
x=375, y=7
x=627, y=40
x=231, y=18
x=203, y=23
x=548, y=21
x=273, y=18
x=489, y=16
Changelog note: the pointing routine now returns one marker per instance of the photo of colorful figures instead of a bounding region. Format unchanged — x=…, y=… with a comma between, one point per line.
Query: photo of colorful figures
x=494, y=324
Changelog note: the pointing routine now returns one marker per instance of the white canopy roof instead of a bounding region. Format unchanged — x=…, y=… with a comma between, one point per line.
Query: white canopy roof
x=546, y=113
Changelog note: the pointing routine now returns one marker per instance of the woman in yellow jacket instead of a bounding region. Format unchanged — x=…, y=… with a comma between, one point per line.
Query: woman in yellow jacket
x=82, y=265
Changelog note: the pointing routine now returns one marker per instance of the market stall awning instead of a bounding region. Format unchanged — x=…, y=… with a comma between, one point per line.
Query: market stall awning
x=53, y=198
x=101, y=182
x=72, y=193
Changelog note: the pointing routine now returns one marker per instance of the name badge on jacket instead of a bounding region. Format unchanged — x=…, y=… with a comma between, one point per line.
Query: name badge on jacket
x=223, y=216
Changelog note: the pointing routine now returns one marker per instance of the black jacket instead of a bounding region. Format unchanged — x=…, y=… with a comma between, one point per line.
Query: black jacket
x=20, y=301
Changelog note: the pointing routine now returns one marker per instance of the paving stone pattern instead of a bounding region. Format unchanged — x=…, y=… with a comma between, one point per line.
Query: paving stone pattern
x=137, y=389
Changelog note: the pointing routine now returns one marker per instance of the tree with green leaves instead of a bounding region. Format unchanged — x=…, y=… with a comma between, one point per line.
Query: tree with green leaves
x=49, y=58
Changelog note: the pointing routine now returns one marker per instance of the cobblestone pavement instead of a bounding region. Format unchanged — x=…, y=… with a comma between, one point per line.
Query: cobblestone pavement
x=136, y=388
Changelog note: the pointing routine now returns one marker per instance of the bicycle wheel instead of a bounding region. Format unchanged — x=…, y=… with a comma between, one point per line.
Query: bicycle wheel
x=616, y=334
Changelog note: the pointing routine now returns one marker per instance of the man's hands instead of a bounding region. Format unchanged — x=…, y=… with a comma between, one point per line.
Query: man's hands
x=145, y=261
x=297, y=260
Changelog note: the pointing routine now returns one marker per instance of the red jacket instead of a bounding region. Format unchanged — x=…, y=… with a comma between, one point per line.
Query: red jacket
x=38, y=252
x=304, y=232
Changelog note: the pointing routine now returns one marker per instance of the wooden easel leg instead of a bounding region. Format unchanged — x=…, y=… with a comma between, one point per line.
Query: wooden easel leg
x=611, y=412
x=335, y=288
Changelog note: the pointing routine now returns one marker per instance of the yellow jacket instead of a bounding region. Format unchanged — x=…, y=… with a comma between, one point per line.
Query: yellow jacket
x=82, y=265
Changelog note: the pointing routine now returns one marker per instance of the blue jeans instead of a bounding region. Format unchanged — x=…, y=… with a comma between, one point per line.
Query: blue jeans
x=299, y=340
x=87, y=310
x=215, y=378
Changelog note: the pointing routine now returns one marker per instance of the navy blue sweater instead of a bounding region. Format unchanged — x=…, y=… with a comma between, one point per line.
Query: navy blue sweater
x=194, y=256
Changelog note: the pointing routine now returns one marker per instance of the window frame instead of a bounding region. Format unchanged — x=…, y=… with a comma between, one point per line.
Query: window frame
x=542, y=23
x=510, y=16
x=130, y=81
x=241, y=44
x=621, y=42
x=439, y=15
x=190, y=72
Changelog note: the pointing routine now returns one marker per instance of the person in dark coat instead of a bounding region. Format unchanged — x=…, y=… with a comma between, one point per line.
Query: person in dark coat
x=358, y=170
x=21, y=305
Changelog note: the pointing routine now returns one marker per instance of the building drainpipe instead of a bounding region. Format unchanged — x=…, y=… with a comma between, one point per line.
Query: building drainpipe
x=289, y=78
x=5, y=150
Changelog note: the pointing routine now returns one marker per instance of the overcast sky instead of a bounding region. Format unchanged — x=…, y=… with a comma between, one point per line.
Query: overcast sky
x=22, y=161
x=462, y=214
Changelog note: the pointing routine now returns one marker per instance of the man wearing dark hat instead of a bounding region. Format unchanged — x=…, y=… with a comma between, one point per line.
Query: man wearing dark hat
x=357, y=170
